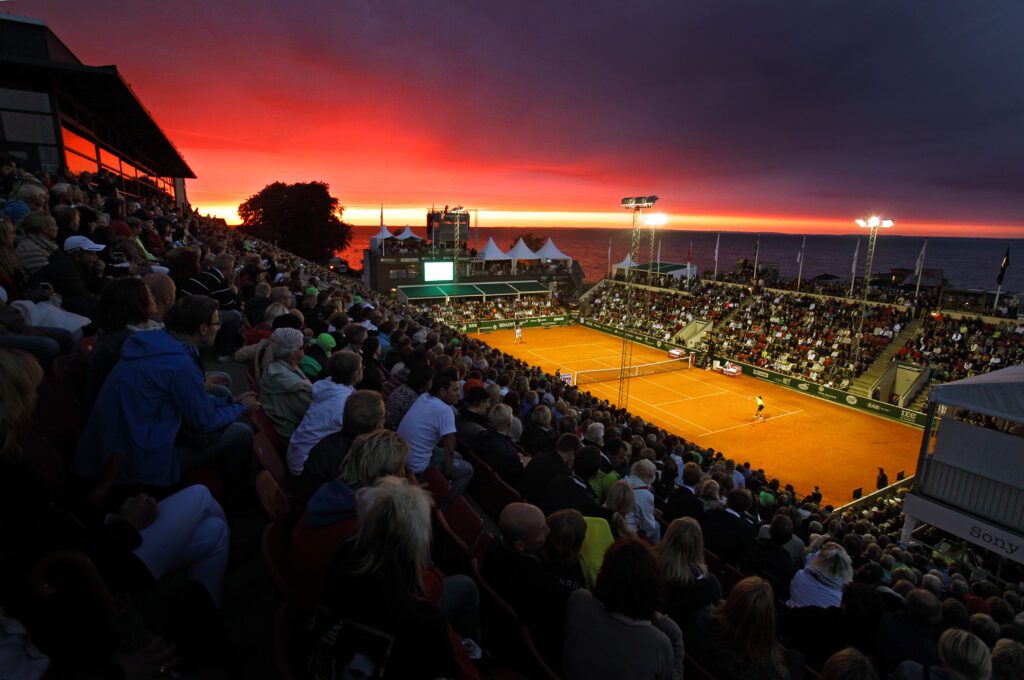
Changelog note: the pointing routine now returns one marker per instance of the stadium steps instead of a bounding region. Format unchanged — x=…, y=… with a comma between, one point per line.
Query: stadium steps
x=921, y=400
x=862, y=384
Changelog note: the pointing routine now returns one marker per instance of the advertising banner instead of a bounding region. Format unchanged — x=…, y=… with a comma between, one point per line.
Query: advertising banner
x=502, y=324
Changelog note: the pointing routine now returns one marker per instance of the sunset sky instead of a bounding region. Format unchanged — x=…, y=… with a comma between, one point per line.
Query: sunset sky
x=741, y=114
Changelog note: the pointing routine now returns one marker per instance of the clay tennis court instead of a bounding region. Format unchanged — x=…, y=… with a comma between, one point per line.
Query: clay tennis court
x=802, y=441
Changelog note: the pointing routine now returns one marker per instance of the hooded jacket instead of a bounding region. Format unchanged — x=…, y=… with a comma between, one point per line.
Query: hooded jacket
x=322, y=418
x=285, y=395
x=332, y=503
x=156, y=387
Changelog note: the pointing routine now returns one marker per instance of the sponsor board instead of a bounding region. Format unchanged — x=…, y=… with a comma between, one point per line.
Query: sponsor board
x=881, y=408
x=500, y=324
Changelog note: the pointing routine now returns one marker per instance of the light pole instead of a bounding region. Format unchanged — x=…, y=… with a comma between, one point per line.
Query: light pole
x=872, y=224
x=636, y=204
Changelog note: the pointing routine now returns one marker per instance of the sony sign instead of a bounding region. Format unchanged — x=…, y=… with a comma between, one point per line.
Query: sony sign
x=998, y=539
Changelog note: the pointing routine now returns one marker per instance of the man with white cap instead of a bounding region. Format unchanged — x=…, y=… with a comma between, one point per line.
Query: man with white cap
x=75, y=271
x=285, y=392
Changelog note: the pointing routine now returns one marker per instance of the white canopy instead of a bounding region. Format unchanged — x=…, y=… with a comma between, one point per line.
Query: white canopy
x=998, y=393
x=521, y=251
x=382, y=234
x=407, y=234
x=627, y=263
x=549, y=251
x=491, y=251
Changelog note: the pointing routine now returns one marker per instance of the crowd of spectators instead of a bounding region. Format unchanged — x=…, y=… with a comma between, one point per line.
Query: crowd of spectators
x=659, y=314
x=806, y=336
x=958, y=348
x=623, y=549
x=497, y=308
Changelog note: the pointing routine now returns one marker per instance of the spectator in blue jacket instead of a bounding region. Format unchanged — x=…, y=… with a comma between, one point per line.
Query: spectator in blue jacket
x=155, y=409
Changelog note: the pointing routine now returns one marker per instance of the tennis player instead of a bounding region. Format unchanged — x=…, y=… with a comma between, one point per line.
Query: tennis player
x=519, y=336
x=760, y=408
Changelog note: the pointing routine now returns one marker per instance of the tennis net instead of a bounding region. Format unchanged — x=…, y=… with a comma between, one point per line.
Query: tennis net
x=636, y=371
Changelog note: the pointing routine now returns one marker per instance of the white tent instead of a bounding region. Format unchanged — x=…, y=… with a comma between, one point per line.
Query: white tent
x=521, y=251
x=627, y=263
x=549, y=251
x=407, y=234
x=492, y=252
x=998, y=393
x=377, y=240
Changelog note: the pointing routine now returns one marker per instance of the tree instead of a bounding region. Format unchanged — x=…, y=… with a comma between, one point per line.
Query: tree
x=303, y=218
x=534, y=243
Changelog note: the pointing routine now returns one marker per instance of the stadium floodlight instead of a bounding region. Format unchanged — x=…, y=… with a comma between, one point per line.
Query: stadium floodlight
x=639, y=202
x=875, y=222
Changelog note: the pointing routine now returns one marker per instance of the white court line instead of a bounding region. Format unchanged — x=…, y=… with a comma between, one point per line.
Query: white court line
x=734, y=427
x=655, y=407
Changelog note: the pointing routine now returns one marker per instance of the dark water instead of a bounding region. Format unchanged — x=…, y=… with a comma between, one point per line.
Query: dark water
x=965, y=262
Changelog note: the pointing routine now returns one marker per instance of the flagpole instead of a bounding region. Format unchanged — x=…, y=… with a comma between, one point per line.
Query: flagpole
x=853, y=271
x=717, y=241
x=920, y=268
x=800, y=272
x=999, y=279
x=757, y=254
x=609, y=258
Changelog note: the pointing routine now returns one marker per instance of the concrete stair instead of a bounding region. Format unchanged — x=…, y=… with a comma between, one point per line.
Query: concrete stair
x=862, y=384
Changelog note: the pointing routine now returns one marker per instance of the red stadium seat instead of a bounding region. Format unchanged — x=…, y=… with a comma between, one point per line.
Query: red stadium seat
x=464, y=520
x=270, y=459
x=310, y=556
x=265, y=426
x=451, y=554
x=437, y=485
x=504, y=634
x=274, y=546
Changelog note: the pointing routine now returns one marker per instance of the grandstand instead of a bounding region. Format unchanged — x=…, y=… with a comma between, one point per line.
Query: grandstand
x=183, y=355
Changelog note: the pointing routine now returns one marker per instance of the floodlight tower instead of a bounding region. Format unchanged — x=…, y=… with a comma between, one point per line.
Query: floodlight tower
x=637, y=204
x=872, y=224
x=458, y=211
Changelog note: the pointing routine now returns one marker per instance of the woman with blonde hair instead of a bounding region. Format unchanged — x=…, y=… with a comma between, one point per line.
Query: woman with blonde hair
x=377, y=582
x=737, y=640
x=821, y=583
x=38, y=242
x=538, y=436
x=622, y=502
x=689, y=586
x=709, y=494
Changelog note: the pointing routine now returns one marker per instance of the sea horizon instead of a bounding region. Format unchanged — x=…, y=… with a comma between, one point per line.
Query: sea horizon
x=966, y=262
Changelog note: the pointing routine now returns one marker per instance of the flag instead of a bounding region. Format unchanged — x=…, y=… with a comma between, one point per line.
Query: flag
x=1002, y=266
x=689, y=254
x=919, y=267
x=856, y=251
x=800, y=253
x=659, y=254
x=717, y=241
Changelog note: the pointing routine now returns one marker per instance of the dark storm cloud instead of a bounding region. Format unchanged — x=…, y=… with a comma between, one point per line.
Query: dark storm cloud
x=814, y=106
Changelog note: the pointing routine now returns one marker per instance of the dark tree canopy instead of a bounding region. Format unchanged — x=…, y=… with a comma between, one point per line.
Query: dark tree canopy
x=532, y=241
x=303, y=218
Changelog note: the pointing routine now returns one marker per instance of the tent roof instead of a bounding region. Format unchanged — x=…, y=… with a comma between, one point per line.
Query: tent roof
x=628, y=262
x=491, y=251
x=407, y=234
x=549, y=251
x=382, y=234
x=521, y=251
x=997, y=393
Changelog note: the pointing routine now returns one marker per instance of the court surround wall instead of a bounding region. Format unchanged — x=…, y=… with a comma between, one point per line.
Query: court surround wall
x=878, y=408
